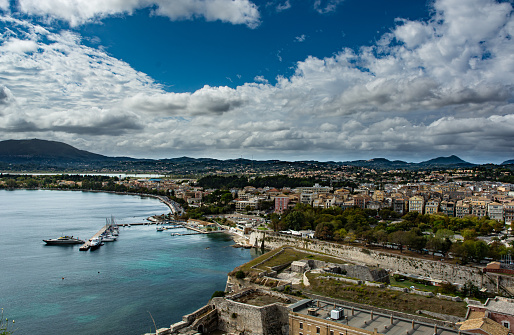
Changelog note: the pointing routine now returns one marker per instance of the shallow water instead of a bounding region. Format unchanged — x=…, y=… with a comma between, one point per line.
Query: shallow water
x=116, y=289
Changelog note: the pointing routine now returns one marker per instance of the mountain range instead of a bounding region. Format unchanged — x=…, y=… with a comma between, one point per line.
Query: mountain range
x=36, y=154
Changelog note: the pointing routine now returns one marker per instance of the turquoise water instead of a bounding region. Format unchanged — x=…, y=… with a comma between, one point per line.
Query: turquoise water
x=116, y=289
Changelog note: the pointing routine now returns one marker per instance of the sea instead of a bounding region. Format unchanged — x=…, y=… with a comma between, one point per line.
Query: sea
x=143, y=281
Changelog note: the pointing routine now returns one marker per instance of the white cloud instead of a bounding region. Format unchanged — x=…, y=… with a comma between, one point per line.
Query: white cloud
x=4, y=5
x=260, y=79
x=326, y=6
x=283, y=6
x=300, y=38
x=439, y=87
x=78, y=12
x=19, y=46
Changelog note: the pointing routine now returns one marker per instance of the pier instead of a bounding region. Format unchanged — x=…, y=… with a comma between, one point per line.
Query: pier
x=87, y=245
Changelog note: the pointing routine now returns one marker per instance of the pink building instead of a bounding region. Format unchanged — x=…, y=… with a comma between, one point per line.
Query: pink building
x=281, y=204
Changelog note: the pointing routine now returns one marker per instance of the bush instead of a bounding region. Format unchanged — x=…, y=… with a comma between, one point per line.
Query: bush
x=240, y=274
x=218, y=294
x=446, y=288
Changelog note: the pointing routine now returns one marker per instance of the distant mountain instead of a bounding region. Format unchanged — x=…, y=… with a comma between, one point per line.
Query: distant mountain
x=34, y=151
x=510, y=161
x=452, y=161
x=380, y=163
x=36, y=155
x=385, y=164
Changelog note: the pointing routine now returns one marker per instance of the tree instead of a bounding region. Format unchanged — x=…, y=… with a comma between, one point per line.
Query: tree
x=275, y=221
x=324, y=231
x=399, y=238
x=469, y=234
x=340, y=234
x=470, y=290
x=350, y=237
x=381, y=236
x=294, y=220
x=11, y=183
x=368, y=236
x=226, y=198
x=415, y=240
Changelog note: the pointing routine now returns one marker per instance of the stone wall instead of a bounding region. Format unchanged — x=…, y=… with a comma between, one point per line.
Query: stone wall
x=236, y=317
x=433, y=269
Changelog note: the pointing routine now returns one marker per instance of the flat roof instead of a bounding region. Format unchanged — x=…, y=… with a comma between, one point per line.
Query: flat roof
x=369, y=320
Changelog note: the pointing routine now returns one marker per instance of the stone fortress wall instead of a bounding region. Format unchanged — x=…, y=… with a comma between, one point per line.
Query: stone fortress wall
x=427, y=268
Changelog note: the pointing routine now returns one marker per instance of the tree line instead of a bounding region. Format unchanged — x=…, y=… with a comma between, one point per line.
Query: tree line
x=420, y=233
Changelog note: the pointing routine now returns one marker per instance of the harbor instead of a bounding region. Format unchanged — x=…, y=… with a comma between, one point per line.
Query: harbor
x=111, y=228
x=107, y=233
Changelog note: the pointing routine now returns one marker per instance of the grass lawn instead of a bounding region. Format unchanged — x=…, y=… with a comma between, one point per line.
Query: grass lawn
x=408, y=284
x=288, y=256
x=383, y=298
x=248, y=266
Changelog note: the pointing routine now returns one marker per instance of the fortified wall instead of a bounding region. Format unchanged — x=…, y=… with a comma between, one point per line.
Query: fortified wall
x=247, y=319
x=434, y=269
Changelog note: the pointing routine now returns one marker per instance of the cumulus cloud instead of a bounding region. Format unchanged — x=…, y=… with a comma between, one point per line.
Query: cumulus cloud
x=427, y=88
x=206, y=101
x=78, y=12
x=4, y=5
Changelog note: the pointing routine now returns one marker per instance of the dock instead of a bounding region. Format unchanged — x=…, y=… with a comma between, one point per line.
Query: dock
x=87, y=245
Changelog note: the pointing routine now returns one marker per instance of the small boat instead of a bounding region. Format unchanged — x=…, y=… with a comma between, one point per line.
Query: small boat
x=108, y=238
x=96, y=242
x=159, y=228
x=63, y=240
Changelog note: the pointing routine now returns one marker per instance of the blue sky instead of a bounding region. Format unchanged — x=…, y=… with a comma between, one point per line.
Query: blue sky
x=288, y=79
x=186, y=55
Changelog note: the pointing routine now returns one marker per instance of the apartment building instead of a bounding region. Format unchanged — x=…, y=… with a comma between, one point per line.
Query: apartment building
x=448, y=208
x=479, y=208
x=281, y=203
x=508, y=209
x=462, y=208
x=416, y=204
x=432, y=206
x=495, y=211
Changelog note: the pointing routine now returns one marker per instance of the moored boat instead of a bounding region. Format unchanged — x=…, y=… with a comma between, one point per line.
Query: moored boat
x=96, y=242
x=108, y=238
x=63, y=240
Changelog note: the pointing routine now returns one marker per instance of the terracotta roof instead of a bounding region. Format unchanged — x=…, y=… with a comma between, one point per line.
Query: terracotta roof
x=485, y=324
x=476, y=315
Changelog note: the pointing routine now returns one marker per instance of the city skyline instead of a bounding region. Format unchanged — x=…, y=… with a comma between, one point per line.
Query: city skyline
x=288, y=80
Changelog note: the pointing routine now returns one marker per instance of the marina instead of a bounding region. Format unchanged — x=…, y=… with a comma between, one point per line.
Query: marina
x=107, y=233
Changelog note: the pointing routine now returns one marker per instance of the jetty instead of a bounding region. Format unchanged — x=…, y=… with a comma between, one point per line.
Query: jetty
x=86, y=246
x=199, y=233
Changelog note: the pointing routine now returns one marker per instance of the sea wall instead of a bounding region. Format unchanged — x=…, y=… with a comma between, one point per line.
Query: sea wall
x=434, y=269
